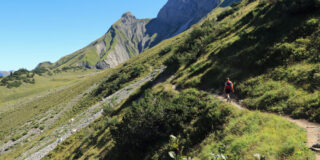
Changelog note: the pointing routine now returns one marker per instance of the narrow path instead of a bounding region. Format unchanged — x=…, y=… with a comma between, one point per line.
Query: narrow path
x=313, y=129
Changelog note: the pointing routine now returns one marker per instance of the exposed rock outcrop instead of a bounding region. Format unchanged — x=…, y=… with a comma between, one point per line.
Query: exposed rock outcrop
x=125, y=39
x=179, y=15
x=130, y=36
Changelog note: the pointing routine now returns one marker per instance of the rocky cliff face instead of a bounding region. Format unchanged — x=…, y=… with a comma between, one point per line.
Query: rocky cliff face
x=125, y=39
x=129, y=36
x=179, y=15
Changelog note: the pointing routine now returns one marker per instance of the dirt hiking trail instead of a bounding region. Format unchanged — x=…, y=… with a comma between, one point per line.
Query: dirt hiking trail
x=313, y=129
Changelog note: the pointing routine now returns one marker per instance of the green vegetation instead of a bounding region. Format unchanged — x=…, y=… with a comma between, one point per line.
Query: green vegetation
x=142, y=129
x=40, y=70
x=173, y=115
x=43, y=85
x=17, y=78
x=34, y=102
x=243, y=42
x=80, y=80
x=251, y=133
x=89, y=56
x=274, y=68
x=270, y=49
x=117, y=80
x=280, y=97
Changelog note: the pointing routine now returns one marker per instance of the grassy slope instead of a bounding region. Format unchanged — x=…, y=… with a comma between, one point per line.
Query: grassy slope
x=198, y=59
x=89, y=54
x=89, y=100
x=274, y=68
x=249, y=133
x=86, y=55
x=54, y=91
x=43, y=84
x=244, y=133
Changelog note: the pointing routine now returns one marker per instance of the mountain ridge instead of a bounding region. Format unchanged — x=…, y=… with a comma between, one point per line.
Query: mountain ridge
x=130, y=36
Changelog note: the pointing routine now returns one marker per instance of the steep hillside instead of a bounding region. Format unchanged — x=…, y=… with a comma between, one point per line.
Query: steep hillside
x=33, y=110
x=270, y=49
x=274, y=68
x=129, y=36
x=124, y=39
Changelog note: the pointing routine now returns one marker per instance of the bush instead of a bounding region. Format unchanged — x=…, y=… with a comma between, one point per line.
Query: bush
x=39, y=71
x=117, y=80
x=42, y=127
x=165, y=51
x=153, y=118
x=192, y=48
x=16, y=79
x=107, y=109
x=14, y=84
x=36, y=126
x=15, y=138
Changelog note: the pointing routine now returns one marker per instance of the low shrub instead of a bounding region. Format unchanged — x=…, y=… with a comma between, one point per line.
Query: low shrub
x=225, y=14
x=15, y=79
x=117, y=80
x=151, y=120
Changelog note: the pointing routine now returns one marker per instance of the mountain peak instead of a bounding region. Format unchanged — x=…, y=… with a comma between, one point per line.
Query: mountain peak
x=128, y=15
x=175, y=17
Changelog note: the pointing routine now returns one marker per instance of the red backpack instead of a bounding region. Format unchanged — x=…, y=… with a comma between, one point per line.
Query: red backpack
x=229, y=85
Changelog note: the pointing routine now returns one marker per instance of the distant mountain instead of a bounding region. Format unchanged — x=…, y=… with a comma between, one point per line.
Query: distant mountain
x=4, y=73
x=129, y=36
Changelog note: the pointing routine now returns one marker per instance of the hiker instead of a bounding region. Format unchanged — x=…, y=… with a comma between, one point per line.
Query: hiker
x=228, y=88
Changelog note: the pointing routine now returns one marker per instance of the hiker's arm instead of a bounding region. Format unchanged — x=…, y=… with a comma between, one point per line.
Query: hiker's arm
x=232, y=88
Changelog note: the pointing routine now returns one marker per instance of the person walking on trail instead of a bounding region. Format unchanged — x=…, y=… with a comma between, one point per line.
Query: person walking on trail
x=228, y=88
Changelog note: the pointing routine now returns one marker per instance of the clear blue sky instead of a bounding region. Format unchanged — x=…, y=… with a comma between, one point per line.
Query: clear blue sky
x=33, y=31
